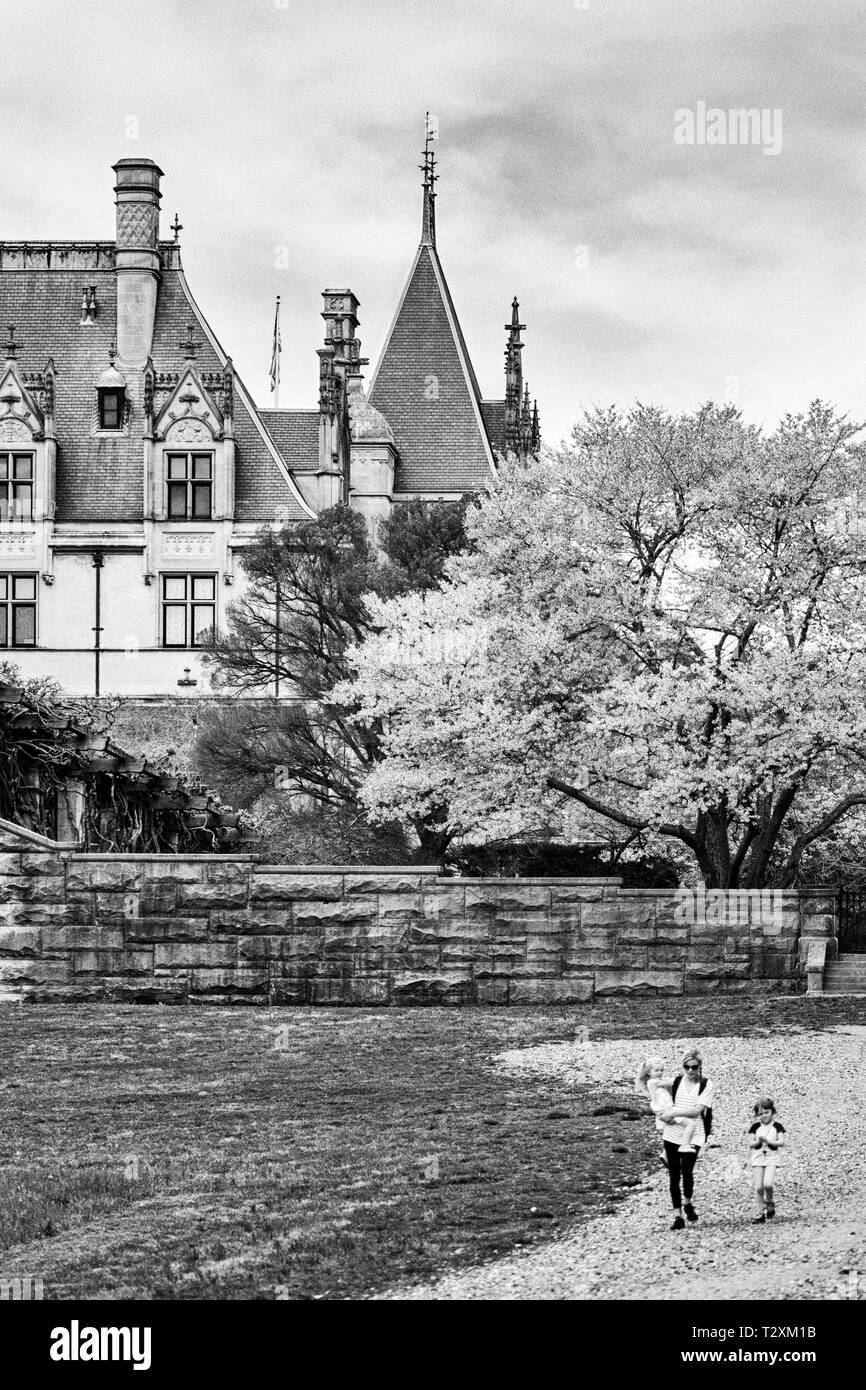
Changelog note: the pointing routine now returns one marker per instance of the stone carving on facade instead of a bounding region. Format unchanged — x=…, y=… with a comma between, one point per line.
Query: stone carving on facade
x=21, y=419
x=187, y=412
x=136, y=224
x=20, y=544
x=188, y=545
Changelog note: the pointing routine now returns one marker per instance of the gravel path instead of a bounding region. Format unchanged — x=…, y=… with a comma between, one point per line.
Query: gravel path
x=815, y=1248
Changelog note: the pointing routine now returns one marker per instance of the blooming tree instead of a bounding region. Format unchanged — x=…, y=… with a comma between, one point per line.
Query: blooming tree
x=662, y=625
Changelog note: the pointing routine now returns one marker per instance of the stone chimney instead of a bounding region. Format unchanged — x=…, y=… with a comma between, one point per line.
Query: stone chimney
x=137, y=257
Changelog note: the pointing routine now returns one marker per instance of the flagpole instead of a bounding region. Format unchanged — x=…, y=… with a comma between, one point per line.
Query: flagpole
x=277, y=357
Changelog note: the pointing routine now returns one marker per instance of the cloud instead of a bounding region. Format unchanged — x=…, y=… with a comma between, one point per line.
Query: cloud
x=301, y=127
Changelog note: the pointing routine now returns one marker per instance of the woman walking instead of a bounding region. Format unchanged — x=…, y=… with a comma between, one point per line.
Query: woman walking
x=689, y=1099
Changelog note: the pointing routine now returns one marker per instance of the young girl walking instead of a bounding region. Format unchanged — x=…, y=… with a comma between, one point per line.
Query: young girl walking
x=766, y=1137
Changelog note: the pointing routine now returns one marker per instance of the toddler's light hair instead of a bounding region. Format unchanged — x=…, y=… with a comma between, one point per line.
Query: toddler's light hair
x=640, y=1081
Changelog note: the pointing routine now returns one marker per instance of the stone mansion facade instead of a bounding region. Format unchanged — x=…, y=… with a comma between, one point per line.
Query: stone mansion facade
x=135, y=467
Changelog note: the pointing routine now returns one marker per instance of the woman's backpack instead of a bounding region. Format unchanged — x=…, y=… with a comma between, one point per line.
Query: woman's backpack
x=708, y=1113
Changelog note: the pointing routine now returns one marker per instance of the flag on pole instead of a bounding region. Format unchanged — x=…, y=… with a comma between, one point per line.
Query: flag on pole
x=275, y=356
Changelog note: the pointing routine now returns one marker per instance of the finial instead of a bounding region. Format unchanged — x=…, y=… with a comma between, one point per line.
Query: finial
x=428, y=168
x=189, y=346
x=177, y=228
x=515, y=327
x=11, y=345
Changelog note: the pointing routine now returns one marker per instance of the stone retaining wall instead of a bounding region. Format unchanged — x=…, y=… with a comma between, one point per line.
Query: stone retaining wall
x=177, y=929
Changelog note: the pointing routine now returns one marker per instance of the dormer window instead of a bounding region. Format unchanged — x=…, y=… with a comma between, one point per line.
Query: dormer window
x=110, y=410
x=111, y=399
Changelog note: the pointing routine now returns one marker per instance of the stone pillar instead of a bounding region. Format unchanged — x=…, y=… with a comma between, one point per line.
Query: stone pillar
x=818, y=941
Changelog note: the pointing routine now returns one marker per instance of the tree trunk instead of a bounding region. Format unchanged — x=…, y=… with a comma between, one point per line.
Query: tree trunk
x=433, y=839
x=713, y=851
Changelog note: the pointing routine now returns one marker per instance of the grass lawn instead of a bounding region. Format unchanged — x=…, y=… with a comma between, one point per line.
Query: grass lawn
x=153, y=1152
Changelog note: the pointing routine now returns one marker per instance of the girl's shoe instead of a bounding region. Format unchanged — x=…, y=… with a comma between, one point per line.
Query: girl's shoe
x=691, y=1214
x=758, y=1220
x=771, y=1212
x=678, y=1224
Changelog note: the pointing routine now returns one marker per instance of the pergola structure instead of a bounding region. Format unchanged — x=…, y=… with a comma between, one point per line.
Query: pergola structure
x=70, y=783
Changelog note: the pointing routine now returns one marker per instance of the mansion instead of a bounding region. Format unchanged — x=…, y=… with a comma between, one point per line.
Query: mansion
x=135, y=467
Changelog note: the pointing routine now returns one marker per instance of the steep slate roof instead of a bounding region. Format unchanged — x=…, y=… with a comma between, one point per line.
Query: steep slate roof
x=426, y=388
x=296, y=435
x=102, y=478
x=494, y=419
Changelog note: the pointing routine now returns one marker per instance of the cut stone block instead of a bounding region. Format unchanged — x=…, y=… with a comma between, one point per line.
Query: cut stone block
x=41, y=865
x=491, y=992
x=503, y=899
x=111, y=962
x=148, y=930
x=309, y=914
x=283, y=991
x=20, y=889
x=83, y=938
x=198, y=954
x=212, y=895
x=203, y=980
x=158, y=898
x=577, y=989
x=443, y=988
x=647, y=981
x=718, y=970
x=273, y=887
x=122, y=877
x=575, y=893
x=176, y=869
x=20, y=941
x=120, y=989
x=405, y=884
x=357, y=992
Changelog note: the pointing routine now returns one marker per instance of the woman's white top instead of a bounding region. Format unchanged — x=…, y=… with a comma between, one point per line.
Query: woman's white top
x=686, y=1091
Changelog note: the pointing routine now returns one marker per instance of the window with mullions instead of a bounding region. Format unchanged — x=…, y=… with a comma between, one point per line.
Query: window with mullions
x=17, y=610
x=188, y=608
x=190, y=484
x=16, y=487
x=110, y=409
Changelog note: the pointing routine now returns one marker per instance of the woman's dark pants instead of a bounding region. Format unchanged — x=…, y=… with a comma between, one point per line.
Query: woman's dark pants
x=680, y=1164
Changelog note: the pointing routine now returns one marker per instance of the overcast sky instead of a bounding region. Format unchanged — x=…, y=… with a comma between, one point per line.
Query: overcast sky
x=707, y=269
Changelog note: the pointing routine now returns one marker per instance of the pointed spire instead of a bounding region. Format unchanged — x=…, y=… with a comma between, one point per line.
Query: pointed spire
x=428, y=169
x=536, y=428
x=513, y=379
